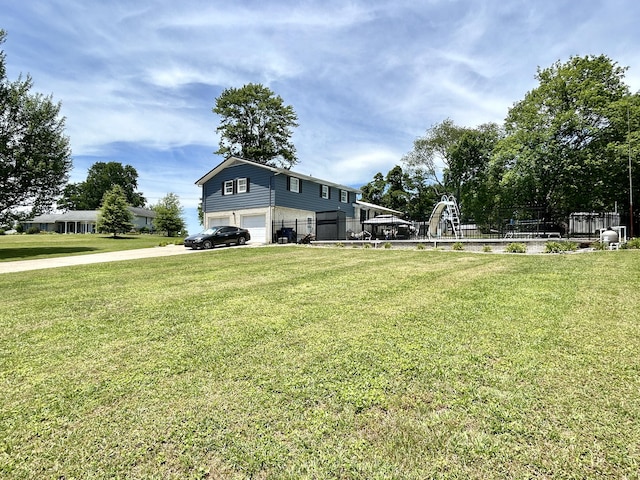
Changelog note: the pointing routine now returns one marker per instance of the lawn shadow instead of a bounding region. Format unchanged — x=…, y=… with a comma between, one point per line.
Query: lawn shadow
x=24, y=253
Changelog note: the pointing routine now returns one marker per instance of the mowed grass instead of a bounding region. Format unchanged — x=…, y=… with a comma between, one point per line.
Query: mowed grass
x=294, y=362
x=31, y=247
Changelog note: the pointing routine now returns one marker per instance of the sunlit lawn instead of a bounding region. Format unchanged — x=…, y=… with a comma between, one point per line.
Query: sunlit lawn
x=28, y=247
x=295, y=362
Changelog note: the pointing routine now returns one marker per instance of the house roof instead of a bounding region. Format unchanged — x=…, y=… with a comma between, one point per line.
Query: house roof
x=235, y=160
x=143, y=212
x=85, y=215
x=70, y=216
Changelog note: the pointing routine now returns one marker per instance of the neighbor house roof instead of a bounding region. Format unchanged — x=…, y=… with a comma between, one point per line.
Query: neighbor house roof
x=235, y=160
x=70, y=216
x=85, y=215
x=143, y=212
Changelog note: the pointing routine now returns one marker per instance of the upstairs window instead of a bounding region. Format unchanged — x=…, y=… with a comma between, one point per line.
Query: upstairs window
x=324, y=191
x=344, y=196
x=242, y=185
x=294, y=184
x=239, y=185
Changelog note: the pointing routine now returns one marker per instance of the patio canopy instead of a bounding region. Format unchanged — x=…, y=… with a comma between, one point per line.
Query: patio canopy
x=386, y=220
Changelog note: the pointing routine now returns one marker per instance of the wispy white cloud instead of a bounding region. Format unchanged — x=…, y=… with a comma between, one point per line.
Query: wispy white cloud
x=351, y=163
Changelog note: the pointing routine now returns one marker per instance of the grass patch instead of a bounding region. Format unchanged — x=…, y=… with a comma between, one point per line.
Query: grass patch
x=291, y=362
x=31, y=247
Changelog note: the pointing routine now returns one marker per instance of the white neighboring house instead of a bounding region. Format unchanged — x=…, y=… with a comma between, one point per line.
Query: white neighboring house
x=84, y=221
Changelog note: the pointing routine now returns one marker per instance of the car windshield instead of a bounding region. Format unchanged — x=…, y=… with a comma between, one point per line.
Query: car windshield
x=210, y=231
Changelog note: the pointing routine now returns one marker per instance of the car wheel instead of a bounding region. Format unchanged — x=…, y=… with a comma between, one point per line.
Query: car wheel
x=207, y=244
x=242, y=240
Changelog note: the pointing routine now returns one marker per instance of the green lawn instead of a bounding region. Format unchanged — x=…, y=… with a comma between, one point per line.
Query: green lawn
x=296, y=362
x=30, y=247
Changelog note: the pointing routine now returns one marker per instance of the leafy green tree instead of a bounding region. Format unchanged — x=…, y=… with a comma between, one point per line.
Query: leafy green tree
x=556, y=153
x=169, y=215
x=395, y=195
x=373, y=191
x=73, y=197
x=115, y=216
x=35, y=158
x=200, y=213
x=453, y=160
x=431, y=153
x=423, y=194
x=101, y=177
x=410, y=192
x=623, y=152
x=469, y=176
x=256, y=125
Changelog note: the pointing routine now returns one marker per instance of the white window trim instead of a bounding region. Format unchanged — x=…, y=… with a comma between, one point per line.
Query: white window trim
x=325, y=191
x=294, y=181
x=344, y=196
x=228, y=187
x=242, y=185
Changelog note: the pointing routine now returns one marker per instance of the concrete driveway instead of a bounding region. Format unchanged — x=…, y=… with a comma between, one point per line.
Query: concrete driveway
x=24, y=265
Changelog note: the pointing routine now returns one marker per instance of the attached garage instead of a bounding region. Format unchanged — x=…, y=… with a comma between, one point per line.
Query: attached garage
x=217, y=222
x=257, y=226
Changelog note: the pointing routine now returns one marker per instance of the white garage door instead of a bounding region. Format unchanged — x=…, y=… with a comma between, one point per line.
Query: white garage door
x=216, y=222
x=256, y=224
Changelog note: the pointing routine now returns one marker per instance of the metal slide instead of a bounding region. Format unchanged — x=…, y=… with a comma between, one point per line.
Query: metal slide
x=446, y=209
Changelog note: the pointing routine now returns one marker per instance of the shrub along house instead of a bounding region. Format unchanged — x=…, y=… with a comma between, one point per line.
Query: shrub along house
x=279, y=205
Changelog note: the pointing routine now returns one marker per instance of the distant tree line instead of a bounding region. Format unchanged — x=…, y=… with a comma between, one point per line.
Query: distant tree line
x=565, y=147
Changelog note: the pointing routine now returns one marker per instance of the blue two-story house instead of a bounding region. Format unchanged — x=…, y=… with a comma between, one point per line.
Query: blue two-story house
x=276, y=203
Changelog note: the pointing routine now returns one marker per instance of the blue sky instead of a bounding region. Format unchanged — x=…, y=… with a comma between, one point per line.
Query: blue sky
x=138, y=79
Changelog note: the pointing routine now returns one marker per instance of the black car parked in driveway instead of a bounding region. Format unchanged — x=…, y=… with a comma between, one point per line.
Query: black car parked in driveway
x=213, y=236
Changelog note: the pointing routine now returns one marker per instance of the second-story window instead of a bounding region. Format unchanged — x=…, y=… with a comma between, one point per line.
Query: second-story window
x=324, y=191
x=239, y=185
x=294, y=184
x=344, y=196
